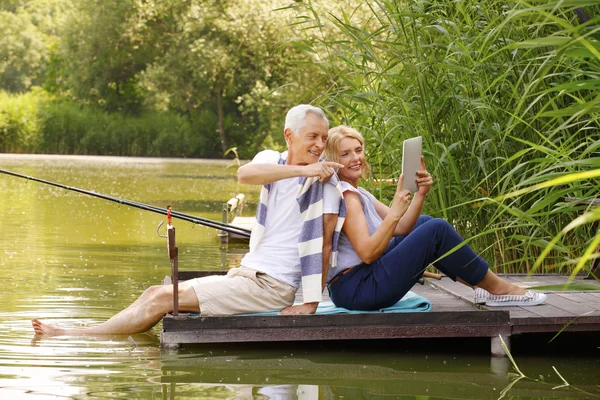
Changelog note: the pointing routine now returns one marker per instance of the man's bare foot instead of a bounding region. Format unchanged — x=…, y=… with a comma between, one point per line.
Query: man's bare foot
x=45, y=329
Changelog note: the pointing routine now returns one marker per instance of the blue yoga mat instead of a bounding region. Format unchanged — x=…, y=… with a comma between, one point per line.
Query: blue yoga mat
x=411, y=302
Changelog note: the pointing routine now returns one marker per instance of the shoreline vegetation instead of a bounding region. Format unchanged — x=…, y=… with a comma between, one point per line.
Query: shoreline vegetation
x=504, y=93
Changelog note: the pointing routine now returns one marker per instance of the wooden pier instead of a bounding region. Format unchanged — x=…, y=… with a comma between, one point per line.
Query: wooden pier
x=453, y=315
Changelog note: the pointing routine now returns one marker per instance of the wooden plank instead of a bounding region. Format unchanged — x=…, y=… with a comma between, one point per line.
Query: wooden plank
x=581, y=297
x=194, y=322
x=333, y=333
x=441, y=300
x=585, y=303
x=566, y=304
x=455, y=289
x=557, y=280
x=519, y=312
x=547, y=310
x=528, y=282
x=558, y=325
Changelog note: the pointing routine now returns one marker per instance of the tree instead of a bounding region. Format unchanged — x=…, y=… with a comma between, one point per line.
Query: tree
x=23, y=52
x=224, y=55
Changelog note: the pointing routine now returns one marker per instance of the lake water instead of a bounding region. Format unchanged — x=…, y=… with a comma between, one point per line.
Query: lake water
x=75, y=260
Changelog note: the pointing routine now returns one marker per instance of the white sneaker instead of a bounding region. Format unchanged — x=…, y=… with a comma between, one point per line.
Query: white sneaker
x=481, y=296
x=528, y=299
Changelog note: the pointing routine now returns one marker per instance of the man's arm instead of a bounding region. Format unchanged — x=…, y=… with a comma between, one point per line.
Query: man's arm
x=329, y=222
x=260, y=174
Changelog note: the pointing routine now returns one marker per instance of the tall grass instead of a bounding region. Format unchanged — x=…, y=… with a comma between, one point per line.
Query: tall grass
x=69, y=128
x=19, y=127
x=36, y=122
x=505, y=95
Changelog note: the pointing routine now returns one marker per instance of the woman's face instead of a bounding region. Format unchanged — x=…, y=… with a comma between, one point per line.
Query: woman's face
x=352, y=156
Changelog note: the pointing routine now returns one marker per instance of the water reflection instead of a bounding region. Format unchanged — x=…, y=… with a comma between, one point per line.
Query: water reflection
x=317, y=373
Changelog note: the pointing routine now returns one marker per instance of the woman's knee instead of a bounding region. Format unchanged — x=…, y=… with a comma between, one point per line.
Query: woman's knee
x=437, y=223
x=424, y=218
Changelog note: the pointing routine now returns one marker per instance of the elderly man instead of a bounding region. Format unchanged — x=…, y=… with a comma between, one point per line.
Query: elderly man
x=280, y=257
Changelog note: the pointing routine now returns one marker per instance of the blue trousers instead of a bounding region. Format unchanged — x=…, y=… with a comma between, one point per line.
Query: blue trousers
x=381, y=284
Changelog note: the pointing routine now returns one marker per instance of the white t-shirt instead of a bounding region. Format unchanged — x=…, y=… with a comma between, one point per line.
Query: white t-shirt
x=277, y=252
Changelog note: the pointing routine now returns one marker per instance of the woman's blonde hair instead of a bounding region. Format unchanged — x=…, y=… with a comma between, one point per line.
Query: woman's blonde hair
x=335, y=136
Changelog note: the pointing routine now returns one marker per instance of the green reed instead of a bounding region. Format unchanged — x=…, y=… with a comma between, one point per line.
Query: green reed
x=505, y=95
x=37, y=122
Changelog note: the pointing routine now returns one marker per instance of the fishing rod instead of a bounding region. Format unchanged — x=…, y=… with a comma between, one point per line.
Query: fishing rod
x=186, y=217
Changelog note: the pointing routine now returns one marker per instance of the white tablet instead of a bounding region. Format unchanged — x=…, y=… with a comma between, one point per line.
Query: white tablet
x=411, y=162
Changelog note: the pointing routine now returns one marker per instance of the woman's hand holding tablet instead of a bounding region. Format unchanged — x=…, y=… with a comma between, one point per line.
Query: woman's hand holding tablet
x=411, y=162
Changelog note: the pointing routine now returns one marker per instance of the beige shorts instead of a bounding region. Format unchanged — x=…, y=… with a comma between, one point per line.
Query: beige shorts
x=242, y=290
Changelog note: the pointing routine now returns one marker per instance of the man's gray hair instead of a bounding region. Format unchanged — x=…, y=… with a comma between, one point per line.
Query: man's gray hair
x=297, y=114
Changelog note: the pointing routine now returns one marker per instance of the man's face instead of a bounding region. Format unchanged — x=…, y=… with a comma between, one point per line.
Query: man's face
x=307, y=145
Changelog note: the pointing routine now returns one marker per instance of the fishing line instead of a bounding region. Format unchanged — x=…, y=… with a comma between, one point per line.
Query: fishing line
x=186, y=217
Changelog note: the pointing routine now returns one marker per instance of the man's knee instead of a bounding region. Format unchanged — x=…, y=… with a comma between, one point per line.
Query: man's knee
x=152, y=290
x=162, y=297
x=188, y=299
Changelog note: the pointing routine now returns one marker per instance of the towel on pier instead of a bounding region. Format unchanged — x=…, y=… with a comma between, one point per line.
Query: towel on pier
x=411, y=302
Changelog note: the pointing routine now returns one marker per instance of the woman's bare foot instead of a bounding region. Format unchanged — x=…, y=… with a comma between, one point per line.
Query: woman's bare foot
x=516, y=290
x=45, y=329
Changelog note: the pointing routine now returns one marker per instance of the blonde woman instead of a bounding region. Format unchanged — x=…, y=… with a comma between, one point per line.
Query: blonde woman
x=383, y=251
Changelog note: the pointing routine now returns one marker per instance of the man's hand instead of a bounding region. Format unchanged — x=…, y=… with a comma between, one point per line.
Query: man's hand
x=306, y=308
x=424, y=181
x=323, y=169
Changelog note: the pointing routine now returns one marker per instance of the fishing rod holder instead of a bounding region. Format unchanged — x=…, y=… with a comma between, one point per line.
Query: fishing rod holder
x=173, y=257
x=158, y=230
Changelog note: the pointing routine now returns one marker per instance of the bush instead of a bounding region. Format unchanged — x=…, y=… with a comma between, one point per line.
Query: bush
x=36, y=122
x=19, y=128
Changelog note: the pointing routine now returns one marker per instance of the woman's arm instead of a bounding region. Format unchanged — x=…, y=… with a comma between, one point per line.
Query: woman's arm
x=370, y=247
x=409, y=219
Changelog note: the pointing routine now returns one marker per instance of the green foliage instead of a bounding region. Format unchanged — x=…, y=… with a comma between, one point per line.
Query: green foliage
x=222, y=65
x=69, y=128
x=224, y=59
x=18, y=122
x=103, y=48
x=504, y=94
x=28, y=29
x=39, y=122
x=23, y=52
